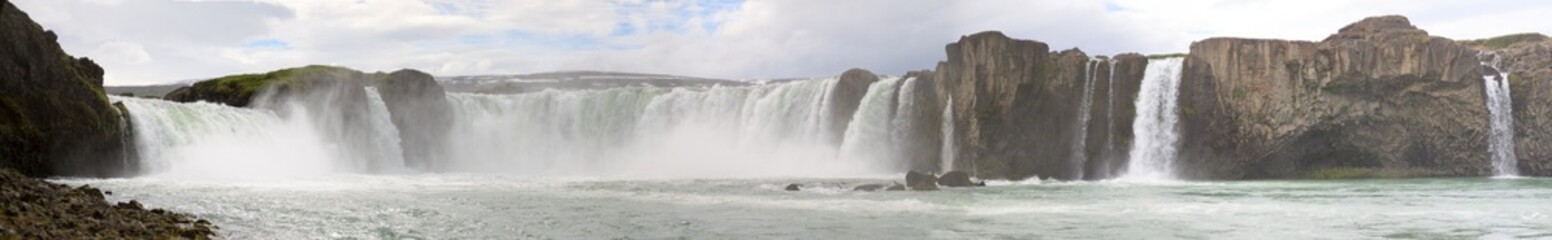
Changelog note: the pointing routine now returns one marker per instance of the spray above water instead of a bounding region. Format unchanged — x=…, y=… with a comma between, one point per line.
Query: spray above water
x=212, y=141
x=1153, y=150
x=1500, y=107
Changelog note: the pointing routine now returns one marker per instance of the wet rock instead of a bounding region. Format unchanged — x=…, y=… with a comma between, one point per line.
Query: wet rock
x=418, y=107
x=794, y=187
x=35, y=209
x=921, y=181
x=845, y=97
x=895, y=187
x=872, y=187
x=957, y=179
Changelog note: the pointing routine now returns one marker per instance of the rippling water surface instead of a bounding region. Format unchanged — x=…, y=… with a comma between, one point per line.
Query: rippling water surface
x=486, y=207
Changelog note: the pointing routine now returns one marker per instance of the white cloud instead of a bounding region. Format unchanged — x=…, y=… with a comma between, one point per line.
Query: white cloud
x=148, y=41
x=122, y=52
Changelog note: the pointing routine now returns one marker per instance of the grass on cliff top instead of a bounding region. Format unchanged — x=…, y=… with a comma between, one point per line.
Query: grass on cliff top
x=248, y=84
x=1505, y=40
x=1166, y=55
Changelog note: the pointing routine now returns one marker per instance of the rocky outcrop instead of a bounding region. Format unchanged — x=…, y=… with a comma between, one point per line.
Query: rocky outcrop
x=1117, y=82
x=845, y=97
x=921, y=181
x=922, y=138
x=333, y=98
x=1016, y=108
x=419, y=108
x=958, y=179
x=35, y=209
x=1379, y=96
x=1527, y=58
x=54, y=117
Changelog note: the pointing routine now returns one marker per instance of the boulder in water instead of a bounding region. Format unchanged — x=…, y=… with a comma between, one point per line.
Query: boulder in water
x=957, y=179
x=921, y=181
x=896, y=187
x=794, y=187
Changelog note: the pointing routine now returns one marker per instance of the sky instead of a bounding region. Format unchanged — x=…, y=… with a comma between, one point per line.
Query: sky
x=143, y=42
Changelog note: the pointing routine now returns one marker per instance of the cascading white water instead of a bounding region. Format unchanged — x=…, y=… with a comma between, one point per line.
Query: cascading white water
x=1153, y=147
x=948, y=150
x=1500, y=107
x=1080, y=139
x=1109, y=118
x=870, y=137
x=383, y=137
x=212, y=141
x=762, y=130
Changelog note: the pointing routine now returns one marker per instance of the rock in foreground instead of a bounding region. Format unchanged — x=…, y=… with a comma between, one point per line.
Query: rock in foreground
x=958, y=179
x=34, y=209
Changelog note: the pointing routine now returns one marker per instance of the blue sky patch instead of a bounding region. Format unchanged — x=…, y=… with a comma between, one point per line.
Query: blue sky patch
x=267, y=43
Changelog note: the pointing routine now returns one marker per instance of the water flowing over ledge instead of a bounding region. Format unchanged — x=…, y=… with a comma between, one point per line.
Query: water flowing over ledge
x=1153, y=151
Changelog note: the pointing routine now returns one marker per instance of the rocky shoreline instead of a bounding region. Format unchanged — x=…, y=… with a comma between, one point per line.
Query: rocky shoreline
x=37, y=209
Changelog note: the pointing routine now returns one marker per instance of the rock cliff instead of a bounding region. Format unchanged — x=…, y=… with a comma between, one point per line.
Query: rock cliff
x=1527, y=58
x=54, y=117
x=1379, y=97
x=1017, y=113
x=419, y=108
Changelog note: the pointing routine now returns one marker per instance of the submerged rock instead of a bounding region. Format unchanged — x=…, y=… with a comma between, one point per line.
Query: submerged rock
x=794, y=187
x=957, y=179
x=872, y=187
x=896, y=187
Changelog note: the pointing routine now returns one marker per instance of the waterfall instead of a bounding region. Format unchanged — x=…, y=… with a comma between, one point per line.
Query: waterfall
x=1153, y=148
x=1110, y=87
x=762, y=130
x=871, y=136
x=384, y=137
x=204, y=140
x=1080, y=140
x=1500, y=107
x=948, y=148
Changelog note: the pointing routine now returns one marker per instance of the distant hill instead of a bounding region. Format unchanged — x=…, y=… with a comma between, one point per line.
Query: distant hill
x=520, y=83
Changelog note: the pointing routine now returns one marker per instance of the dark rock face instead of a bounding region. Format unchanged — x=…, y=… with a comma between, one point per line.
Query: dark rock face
x=923, y=138
x=957, y=179
x=793, y=187
x=1016, y=108
x=1380, y=95
x=845, y=97
x=921, y=181
x=1529, y=64
x=418, y=107
x=34, y=209
x=54, y=117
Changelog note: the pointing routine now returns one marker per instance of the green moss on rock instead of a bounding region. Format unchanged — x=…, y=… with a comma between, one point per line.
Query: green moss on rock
x=239, y=90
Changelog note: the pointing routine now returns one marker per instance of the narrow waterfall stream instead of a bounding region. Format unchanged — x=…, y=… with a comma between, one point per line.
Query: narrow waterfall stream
x=1500, y=106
